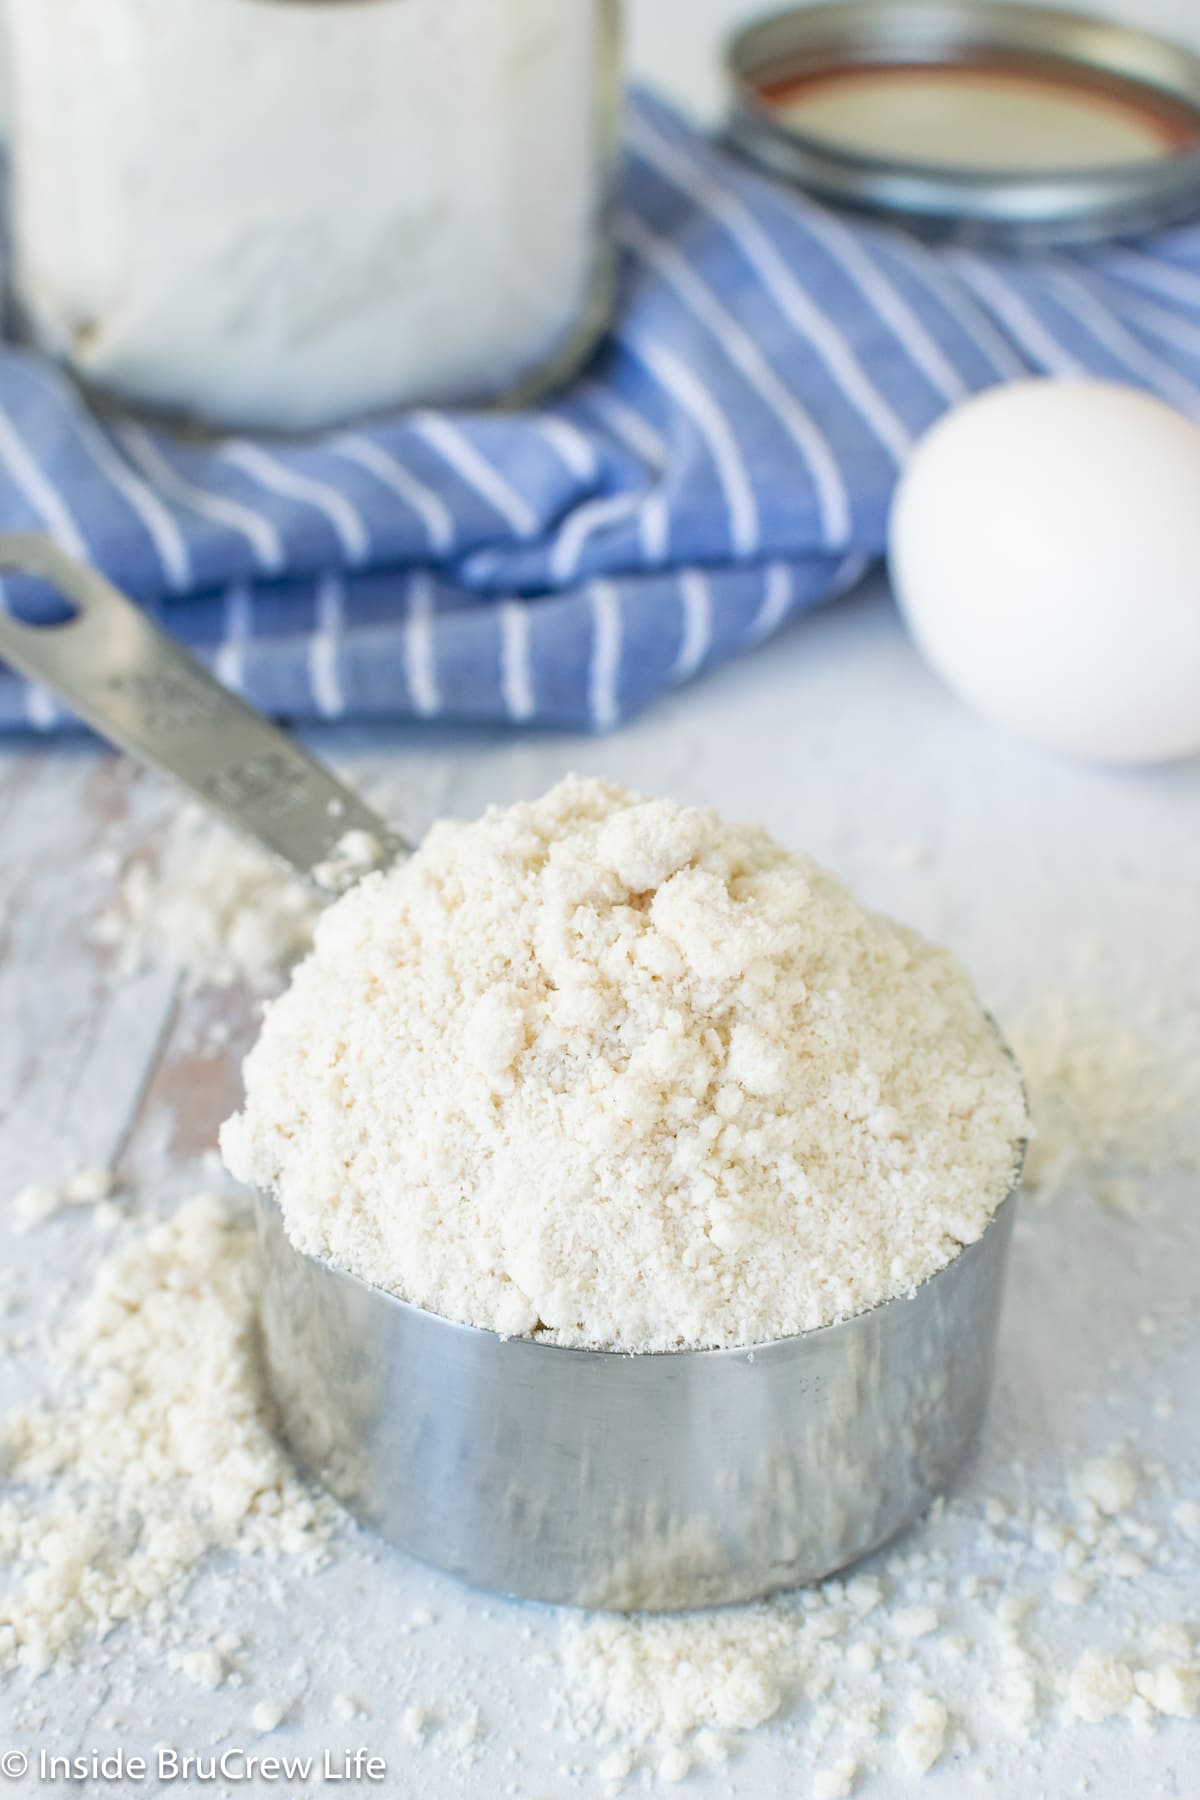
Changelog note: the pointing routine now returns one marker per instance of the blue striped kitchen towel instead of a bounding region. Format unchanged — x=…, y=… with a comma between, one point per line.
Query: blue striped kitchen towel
x=725, y=463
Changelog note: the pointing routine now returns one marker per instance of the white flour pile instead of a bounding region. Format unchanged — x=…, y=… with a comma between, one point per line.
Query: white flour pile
x=1111, y=1108
x=225, y=911
x=616, y=1071
x=158, y=1452
x=1063, y=1622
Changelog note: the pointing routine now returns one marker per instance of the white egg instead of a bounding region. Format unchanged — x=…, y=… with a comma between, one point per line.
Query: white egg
x=1045, y=551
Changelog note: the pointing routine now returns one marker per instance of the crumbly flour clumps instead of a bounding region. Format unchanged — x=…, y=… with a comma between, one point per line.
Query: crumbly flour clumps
x=223, y=909
x=616, y=1072
x=156, y=1452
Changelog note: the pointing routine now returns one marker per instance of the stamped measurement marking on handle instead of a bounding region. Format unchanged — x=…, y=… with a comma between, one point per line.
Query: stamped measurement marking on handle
x=270, y=783
x=167, y=700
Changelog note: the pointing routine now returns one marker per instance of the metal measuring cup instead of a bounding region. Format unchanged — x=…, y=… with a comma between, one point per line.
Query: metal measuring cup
x=593, y=1478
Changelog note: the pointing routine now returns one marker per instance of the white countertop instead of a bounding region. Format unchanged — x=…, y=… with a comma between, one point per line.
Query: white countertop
x=1044, y=875
x=839, y=738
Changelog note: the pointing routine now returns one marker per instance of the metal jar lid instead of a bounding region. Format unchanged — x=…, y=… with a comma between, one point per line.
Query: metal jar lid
x=975, y=119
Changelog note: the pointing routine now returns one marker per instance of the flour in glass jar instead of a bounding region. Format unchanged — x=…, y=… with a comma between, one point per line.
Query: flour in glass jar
x=282, y=215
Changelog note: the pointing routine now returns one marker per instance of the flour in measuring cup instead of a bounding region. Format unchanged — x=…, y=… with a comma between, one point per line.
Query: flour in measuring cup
x=765, y=1108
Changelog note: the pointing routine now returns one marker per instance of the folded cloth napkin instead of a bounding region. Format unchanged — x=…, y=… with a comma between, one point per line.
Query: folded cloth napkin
x=725, y=463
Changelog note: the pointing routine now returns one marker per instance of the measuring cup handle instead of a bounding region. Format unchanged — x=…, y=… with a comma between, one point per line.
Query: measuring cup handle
x=140, y=689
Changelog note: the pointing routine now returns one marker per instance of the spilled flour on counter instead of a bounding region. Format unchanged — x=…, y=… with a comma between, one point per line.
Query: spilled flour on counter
x=224, y=910
x=1061, y=1609
x=90, y=1187
x=157, y=1450
x=1000, y=1664
x=765, y=1107
x=667, y=1676
x=1076, y=1620
x=1109, y=1106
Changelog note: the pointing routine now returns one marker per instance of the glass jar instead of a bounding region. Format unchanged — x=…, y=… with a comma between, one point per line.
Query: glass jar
x=281, y=214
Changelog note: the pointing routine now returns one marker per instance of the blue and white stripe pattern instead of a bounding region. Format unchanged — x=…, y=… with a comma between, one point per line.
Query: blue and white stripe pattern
x=725, y=464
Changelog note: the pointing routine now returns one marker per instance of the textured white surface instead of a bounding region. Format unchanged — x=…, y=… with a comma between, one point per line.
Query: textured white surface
x=839, y=738
x=842, y=742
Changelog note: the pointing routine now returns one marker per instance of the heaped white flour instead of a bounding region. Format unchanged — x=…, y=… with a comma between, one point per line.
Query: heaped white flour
x=157, y=1452
x=223, y=909
x=620, y=1073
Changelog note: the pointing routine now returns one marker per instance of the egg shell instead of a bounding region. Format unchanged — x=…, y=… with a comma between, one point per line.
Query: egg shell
x=1045, y=553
